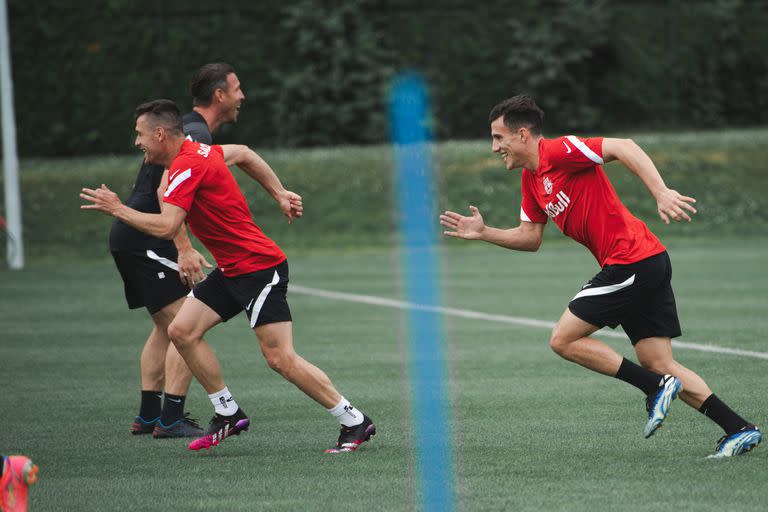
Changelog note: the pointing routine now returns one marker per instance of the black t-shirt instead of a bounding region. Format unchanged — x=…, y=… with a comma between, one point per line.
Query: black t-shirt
x=143, y=198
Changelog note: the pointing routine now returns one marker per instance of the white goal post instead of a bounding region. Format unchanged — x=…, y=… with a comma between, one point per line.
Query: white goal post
x=15, y=243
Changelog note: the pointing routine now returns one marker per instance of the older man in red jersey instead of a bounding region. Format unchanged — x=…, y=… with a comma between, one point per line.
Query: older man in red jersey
x=252, y=273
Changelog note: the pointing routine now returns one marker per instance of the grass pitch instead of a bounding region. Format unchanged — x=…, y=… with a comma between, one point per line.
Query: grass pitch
x=531, y=431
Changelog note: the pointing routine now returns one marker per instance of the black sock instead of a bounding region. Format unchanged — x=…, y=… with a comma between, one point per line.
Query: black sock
x=173, y=408
x=714, y=409
x=150, y=405
x=645, y=380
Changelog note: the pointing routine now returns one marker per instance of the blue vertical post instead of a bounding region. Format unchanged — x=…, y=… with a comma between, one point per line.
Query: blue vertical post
x=409, y=113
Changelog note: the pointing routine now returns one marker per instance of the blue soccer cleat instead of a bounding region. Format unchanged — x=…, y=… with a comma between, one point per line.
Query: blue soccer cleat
x=658, y=404
x=738, y=443
x=183, y=427
x=142, y=426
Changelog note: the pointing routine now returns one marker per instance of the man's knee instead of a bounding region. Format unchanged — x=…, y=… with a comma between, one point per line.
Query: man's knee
x=558, y=343
x=281, y=361
x=181, y=335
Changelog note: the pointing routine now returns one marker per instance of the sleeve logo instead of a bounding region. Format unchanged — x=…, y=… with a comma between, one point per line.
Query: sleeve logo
x=178, y=179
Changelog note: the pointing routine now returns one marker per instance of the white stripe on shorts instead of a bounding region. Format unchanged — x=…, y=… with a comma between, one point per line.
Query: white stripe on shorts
x=602, y=290
x=262, y=298
x=165, y=261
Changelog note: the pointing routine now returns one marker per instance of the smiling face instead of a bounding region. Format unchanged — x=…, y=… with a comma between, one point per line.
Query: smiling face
x=148, y=140
x=232, y=98
x=509, y=144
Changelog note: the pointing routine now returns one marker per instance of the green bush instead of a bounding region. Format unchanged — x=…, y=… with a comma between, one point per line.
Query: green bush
x=315, y=72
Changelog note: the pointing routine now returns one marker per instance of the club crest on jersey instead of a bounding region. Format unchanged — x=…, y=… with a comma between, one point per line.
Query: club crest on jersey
x=555, y=209
x=547, y=185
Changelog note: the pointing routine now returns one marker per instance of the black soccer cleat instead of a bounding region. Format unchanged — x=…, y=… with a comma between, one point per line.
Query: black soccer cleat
x=184, y=427
x=220, y=428
x=351, y=438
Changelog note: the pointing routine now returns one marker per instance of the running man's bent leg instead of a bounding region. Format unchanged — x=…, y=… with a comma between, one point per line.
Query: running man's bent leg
x=186, y=331
x=570, y=340
x=177, y=374
x=276, y=342
x=655, y=354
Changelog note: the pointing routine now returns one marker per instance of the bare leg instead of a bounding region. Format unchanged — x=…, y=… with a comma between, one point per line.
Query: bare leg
x=177, y=373
x=570, y=340
x=276, y=341
x=193, y=320
x=152, y=360
x=655, y=354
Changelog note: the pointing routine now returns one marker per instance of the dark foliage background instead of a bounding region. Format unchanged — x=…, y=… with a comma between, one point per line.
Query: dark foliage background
x=316, y=72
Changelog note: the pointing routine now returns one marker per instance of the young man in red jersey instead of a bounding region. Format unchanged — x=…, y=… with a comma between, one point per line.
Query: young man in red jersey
x=562, y=179
x=252, y=273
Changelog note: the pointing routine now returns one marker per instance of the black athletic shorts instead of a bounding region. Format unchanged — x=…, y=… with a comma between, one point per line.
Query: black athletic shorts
x=637, y=296
x=150, y=278
x=261, y=294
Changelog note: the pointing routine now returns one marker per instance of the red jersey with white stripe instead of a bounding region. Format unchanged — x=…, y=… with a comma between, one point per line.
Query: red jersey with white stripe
x=571, y=187
x=217, y=212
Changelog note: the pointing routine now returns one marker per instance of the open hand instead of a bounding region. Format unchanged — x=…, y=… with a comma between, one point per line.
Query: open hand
x=103, y=199
x=459, y=226
x=672, y=205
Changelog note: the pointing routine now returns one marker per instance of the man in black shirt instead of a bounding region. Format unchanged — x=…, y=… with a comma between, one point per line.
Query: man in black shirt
x=158, y=274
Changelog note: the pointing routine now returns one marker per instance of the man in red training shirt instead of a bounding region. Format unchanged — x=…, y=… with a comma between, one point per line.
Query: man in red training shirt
x=252, y=273
x=562, y=179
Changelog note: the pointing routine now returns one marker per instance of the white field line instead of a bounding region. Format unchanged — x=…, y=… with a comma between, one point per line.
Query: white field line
x=476, y=315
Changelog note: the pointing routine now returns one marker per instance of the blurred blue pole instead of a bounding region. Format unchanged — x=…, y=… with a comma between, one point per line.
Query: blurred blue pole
x=409, y=113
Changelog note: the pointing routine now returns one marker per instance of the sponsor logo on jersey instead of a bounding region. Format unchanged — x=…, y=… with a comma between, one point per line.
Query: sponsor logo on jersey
x=204, y=150
x=547, y=185
x=555, y=209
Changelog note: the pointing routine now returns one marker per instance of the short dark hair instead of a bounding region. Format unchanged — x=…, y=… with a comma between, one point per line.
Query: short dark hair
x=163, y=113
x=519, y=111
x=206, y=80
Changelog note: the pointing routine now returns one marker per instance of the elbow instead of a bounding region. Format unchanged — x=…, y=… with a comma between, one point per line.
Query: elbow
x=168, y=233
x=532, y=244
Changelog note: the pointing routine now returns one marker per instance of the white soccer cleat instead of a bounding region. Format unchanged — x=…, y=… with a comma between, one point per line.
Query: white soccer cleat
x=738, y=443
x=658, y=404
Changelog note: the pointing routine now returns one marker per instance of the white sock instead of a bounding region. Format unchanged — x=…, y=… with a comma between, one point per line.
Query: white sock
x=346, y=413
x=223, y=402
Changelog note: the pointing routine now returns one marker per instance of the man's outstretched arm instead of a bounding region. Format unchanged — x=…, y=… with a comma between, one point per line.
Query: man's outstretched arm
x=669, y=203
x=160, y=225
x=526, y=237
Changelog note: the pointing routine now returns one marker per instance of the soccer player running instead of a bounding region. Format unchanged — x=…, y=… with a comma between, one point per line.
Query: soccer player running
x=252, y=273
x=563, y=179
x=147, y=264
